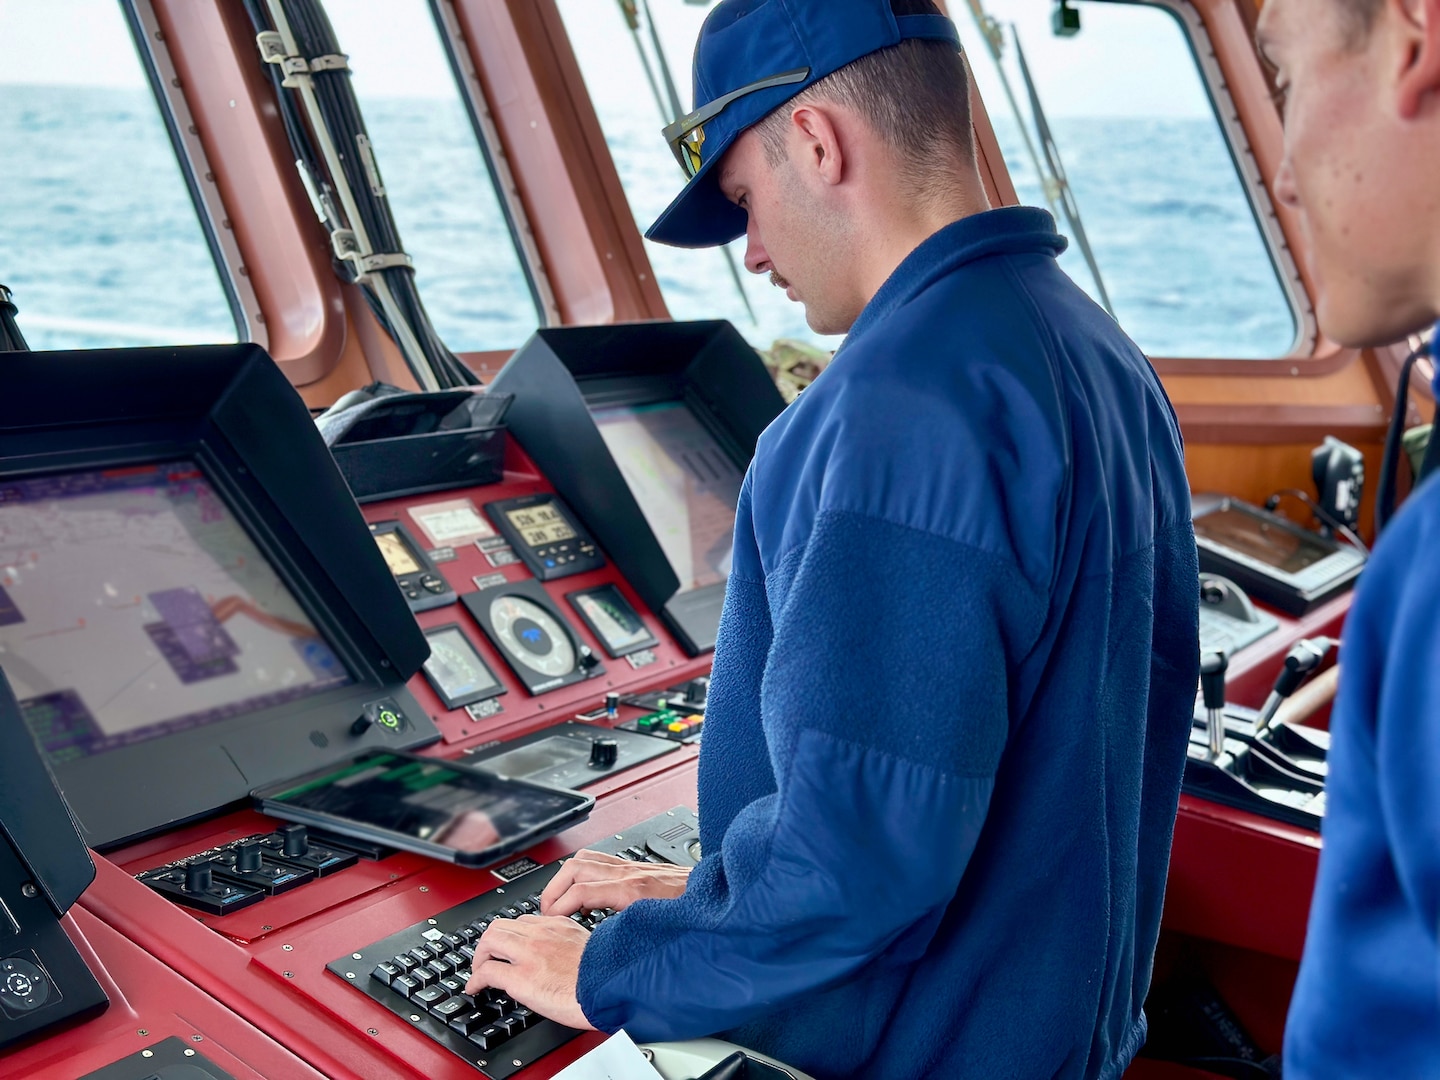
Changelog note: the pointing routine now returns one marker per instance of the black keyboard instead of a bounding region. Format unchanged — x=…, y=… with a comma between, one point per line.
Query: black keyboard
x=420, y=973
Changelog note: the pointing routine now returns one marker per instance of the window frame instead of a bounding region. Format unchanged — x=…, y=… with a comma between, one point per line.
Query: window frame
x=167, y=89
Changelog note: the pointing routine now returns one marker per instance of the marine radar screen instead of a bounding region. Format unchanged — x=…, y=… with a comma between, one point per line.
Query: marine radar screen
x=133, y=604
x=685, y=484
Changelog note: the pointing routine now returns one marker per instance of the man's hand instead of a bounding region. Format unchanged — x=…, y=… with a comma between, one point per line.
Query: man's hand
x=535, y=959
x=593, y=880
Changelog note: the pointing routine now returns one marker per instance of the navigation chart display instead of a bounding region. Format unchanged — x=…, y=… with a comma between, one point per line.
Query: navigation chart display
x=686, y=485
x=133, y=604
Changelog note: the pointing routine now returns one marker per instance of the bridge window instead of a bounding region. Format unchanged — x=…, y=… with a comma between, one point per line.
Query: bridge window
x=627, y=79
x=439, y=188
x=99, y=238
x=1168, y=212
x=1161, y=194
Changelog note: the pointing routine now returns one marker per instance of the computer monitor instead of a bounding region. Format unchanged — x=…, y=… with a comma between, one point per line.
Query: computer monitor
x=685, y=484
x=134, y=605
x=191, y=604
x=646, y=430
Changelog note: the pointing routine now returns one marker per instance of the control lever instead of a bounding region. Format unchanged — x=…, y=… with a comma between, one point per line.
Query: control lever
x=295, y=840
x=1212, y=688
x=1301, y=661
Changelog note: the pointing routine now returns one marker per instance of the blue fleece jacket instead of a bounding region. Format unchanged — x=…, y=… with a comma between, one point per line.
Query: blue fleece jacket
x=1368, y=999
x=950, y=702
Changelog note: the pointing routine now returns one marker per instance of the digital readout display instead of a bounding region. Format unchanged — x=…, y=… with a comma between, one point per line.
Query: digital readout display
x=540, y=525
x=397, y=556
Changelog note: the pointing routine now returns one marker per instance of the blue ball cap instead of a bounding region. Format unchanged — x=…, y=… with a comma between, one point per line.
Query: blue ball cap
x=745, y=41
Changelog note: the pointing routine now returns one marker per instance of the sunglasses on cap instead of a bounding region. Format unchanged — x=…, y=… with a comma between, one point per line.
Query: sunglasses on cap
x=687, y=135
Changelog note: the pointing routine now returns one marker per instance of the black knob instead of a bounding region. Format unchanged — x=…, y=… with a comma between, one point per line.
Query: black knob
x=362, y=724
x=1212, y=678
x=198, y=878
x=588, y=659
x=247, y=857
x=604, y=752
x=612, y=703
x=296, y=840
x=698, y=690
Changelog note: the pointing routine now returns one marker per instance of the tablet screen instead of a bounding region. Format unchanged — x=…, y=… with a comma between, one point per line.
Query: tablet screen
x=425, y=800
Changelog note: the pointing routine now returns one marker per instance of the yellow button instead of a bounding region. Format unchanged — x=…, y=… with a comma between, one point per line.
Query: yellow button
x=678, y=726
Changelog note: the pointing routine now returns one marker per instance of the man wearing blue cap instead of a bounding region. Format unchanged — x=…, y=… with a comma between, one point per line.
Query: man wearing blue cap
x=953, y=686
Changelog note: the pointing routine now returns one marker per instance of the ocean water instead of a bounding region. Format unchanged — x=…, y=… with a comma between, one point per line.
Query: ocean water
x=100, y=243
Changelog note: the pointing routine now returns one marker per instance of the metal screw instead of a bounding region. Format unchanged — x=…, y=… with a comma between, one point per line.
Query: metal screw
x=147, y=1053
x=197, y=1038
x=394, y=876
x=356, y=956
x=287, y=948
x=267, y=928
x=349, y=974
x=516, y=1062
x=501, y=891
x=189, y=1052
x=142, y=1032
x=424, y=888
x=414, y=1019
x=289, y=974
x=29, y=891
x=372, y=1031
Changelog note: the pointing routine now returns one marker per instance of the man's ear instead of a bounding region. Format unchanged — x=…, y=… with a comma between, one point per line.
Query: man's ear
x=816, y=137
x=1416, y=24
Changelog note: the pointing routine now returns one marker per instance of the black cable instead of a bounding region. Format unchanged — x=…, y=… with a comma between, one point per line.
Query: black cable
x=341, y=116
x=1320, y=512
x=1390, y=457
x=11, y=339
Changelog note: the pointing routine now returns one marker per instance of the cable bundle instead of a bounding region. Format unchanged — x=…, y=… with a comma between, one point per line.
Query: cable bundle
x=333, y=151
x=11, y=340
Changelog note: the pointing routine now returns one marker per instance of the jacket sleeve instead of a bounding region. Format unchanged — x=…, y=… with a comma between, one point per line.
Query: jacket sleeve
x=885, y=701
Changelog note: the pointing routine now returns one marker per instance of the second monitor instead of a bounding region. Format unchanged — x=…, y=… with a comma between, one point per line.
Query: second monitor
x=646, y=431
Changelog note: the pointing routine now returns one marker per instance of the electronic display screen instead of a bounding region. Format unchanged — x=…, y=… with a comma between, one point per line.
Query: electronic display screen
x=607, y=612
x=1287, y=551
x=541, y=524
x=133, y=604
x=685, y=484
x=427, y=800
x=456, y=670
x=398, y=557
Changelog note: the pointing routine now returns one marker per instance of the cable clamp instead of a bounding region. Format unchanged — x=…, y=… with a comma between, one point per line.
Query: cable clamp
x=296, y=69
x=370, y=263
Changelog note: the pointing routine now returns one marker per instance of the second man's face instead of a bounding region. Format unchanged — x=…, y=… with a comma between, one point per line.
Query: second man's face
x=1346, y=170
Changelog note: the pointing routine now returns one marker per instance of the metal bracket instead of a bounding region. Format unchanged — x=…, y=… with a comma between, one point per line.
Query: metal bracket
x=296, y=68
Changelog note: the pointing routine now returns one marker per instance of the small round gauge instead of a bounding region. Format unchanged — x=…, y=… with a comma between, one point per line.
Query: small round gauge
x=532, y=636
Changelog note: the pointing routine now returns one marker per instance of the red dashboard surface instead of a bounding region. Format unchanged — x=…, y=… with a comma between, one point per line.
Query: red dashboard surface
x=253, y=984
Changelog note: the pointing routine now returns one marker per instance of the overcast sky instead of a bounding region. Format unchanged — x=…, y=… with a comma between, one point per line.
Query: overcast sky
x=395, y=51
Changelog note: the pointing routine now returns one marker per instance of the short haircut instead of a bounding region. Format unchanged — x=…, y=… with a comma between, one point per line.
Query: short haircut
x=914, y=95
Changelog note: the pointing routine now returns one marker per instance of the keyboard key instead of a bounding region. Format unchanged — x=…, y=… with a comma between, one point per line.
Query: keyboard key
x=457, y=960
x=525, y=1017
x=404, y=985
x=385, y=971
x=489, y=1037
x=441, y=967
x=424, y=976
x=467, y=1023
x=406, y=963
x=454, y=983
x=431, y=995
x=450, y=1008
x=469, y=934
x=451, y=941
x=421, y=956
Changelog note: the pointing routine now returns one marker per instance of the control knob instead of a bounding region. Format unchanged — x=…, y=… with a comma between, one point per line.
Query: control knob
x=604, y=752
